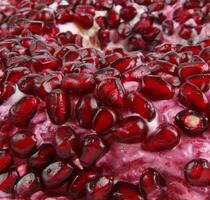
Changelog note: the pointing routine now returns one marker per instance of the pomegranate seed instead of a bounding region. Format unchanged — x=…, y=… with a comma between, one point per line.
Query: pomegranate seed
x=99, y=188
x=187, y=69
x=26, y=83
x=192, y=97
x=165, y=137
x=56, y=173
x=27, y=185
x=181, y=15
x=165, y=47
x=57, y=106
x=202, y=81
x=104, y=119
x=156, y=6
x=103, y=4
x=66, y=143
x=162, y=90
x=7, y=89
x=93, y=149
x=172, y=57
x=123, y=64
x=8, y=180
x=144, y=2
x=128, y=13
x=45, y=84
x=5, y=159
x=77, y=186
x=36, y=27
x=143, y=24
x=84, y=19
x=139, y=104
x=78, y=83
x=85, y=9
x=103, y=37
x=101, y=21
x=86, y=109
x=168, y=27
x=22, y=112
x=64, y=37
x=64, y=14
x=42, y=157
x=113, y=18
x=125, y=191
x=197, y=172
x=192, y=4
x=14, y=74
x=23, y=143
x=151, y=180
x=195, y=49
x=205, y=54
x=136, y=73
x=123, y=30
x=111, y=92
x=185, y=32
x=130, y=130
x=192, y=122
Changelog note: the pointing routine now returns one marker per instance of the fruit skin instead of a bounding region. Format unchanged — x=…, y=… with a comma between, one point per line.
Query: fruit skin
x=164, y=138
x=193, y=98
x=197, y=172
x=132, y=129
x=187, y=127
x=161, y=91
x=22, y=112
x=126, y=191
x=57, y=106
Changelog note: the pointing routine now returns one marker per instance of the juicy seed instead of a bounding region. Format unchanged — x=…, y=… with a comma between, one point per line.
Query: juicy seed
x=161, y=91
x=192, y=122
x=132, y=129
x=93, y=149
x=99, y=188
x=166, y=137
x=57, y=106
x=6, y=90
x=22, y=112
x=27, y=185
x=56, y=173
x=151, y=180
x=23, y=143
x=197, y=172
x=5, y=159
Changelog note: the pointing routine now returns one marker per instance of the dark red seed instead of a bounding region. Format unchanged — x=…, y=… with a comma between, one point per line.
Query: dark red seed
x=103, y=37
x=85, y=9
x=202, y=81
x=205, y=54
x=57, y=106
x=99, y=188
x=77, y=186
x=23, y=143
x=66, y=142
x=78, y=83
x=86, y=109
x=104, y=119
x=164, y=138
x=123, y=64
x=27, y=185
x=172, y=57
x=192, y=122
x=126, y=191
x=113, y=18
x=6, y=90
x=42, y=157
x=93, y=149
x=130, y=130
x=5, y=159
x=151, y=180
x=111, y=92
x=84, y=19
x=192, y=97
x=8, y=180
x=123, y=30
x=56, y=173
x=192, y=68
x=139, y=104
x=168, y=27
x=162, y=90
x=195, y=49
x=128, y=13
x=22, y=112
x=197, y=172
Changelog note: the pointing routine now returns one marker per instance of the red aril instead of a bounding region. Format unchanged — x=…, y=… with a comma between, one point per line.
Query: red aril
x=6, y=90
x=113, y=18
x=6, y=160
x=131, y=129
x=128, y=13
x=23, y=143
x=164, y=138
x=22, y=112
x=123, y=64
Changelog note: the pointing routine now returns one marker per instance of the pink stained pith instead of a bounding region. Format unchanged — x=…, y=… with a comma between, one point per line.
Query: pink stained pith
x=105, y=100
